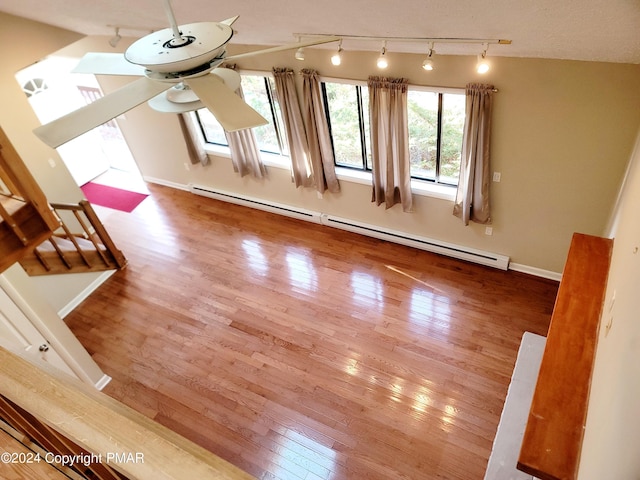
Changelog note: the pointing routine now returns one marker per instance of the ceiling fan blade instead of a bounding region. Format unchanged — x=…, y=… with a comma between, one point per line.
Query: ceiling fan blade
x=230, y=21
x=229, y=109
x=80, y=121
x=107, y=64
x=288, y=46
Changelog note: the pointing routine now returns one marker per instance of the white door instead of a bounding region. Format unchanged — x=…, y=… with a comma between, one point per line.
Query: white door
x=19, y=334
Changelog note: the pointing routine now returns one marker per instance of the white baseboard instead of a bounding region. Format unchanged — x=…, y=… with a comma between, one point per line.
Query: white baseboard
x=100, y=384
x=517, y=267
x=88, y=290
x=166, y=183
x=538, y=272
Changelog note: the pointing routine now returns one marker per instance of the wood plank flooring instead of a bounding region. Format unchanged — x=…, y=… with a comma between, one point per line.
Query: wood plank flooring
x=299, y=351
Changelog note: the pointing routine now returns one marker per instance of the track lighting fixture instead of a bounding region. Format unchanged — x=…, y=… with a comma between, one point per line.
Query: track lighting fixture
x=483, y=64
x=336, y=57
x=428, y=63
x=113, y=41
x=382, y=60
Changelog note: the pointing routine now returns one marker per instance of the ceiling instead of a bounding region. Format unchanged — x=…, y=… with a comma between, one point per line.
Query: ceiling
x=590, y=30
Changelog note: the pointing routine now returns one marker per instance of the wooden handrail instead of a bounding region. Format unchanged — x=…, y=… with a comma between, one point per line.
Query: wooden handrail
x=103, y=426
x=18, y=179
x=85, y=207
x=553, y=437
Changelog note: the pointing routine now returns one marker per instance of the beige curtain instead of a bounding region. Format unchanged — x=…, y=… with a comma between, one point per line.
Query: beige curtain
x=193, y=138
x=472, y=197
x=301, y=167
x=390, y=142
x=245, y=154
x=318, y=136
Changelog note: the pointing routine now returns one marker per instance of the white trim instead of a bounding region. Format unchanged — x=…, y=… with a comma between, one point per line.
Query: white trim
x=84, y=293
x=538, y=272
x=423, y=243
x=102, y=382
x=167, y=183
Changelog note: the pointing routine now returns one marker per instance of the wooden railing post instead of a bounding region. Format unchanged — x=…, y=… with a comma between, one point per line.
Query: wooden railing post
x=553, y=437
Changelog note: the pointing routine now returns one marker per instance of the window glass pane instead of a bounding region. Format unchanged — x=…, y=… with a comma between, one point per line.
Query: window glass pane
x=453, y=112
x=422, y=112
x=279, y=122
x=345, y=124
x=213, y=132
x=255, y=94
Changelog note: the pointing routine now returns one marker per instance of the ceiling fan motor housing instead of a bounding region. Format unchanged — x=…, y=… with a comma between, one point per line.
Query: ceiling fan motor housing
x=199, y=45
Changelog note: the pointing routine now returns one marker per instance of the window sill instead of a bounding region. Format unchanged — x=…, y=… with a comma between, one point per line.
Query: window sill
x=427, y=189
x=418, y=187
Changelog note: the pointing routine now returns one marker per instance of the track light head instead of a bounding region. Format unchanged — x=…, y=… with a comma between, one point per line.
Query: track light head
x=336, y=58
x=382, y=59
x=483, y=64
x=428, y=63
x=113, y=41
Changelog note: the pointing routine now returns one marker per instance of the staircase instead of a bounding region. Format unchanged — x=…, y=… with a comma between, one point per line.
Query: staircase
x=26, y=219
x=89, y=249
x=47, y=238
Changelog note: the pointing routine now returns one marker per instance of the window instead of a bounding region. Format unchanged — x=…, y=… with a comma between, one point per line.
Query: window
x=259, y=93
x=435, y=119
x=347, y=108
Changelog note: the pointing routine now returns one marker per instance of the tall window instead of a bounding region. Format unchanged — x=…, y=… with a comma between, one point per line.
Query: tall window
x=435, y=120
x=259, y=92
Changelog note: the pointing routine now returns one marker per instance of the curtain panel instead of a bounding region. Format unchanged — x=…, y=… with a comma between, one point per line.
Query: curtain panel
x=301, y=167
x=245, y=154
x=472, y=197
x=391, y=169
x=318, y=136
x=193, y=138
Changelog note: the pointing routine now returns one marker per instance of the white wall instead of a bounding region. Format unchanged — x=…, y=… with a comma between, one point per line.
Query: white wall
x=563, y=132
x=562, y=135
x=612, y=434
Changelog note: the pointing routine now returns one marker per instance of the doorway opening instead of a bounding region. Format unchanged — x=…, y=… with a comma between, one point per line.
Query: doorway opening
x=100, y=155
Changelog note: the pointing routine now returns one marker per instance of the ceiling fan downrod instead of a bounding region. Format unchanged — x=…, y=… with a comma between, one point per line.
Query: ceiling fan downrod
x=178, y=40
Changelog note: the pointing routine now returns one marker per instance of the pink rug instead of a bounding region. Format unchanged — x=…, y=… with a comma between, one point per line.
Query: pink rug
x=112, y=197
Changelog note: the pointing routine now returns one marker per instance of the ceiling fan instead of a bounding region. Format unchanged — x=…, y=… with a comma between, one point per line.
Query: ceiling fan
x=179, y=72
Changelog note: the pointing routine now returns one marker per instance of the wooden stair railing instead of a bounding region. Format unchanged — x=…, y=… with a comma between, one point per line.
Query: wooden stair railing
x=26, y=218
x=61, y=414
x=91, y=249
x=554, y=433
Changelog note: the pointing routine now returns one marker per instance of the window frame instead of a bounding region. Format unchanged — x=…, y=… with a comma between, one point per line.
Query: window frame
x=440, y=91
x=353, y=175
x=223, y=148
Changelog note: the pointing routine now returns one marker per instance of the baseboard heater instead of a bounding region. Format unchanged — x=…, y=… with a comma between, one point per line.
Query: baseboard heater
x=423, y=243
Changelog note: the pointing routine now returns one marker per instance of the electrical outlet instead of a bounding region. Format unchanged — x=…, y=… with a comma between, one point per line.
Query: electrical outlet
x=488, y=230
x=496, y=176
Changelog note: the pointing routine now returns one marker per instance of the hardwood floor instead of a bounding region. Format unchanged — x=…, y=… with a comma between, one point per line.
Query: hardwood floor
x=299, y=351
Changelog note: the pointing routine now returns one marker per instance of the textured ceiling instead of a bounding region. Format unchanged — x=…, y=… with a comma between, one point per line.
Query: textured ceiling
x=590, y=30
